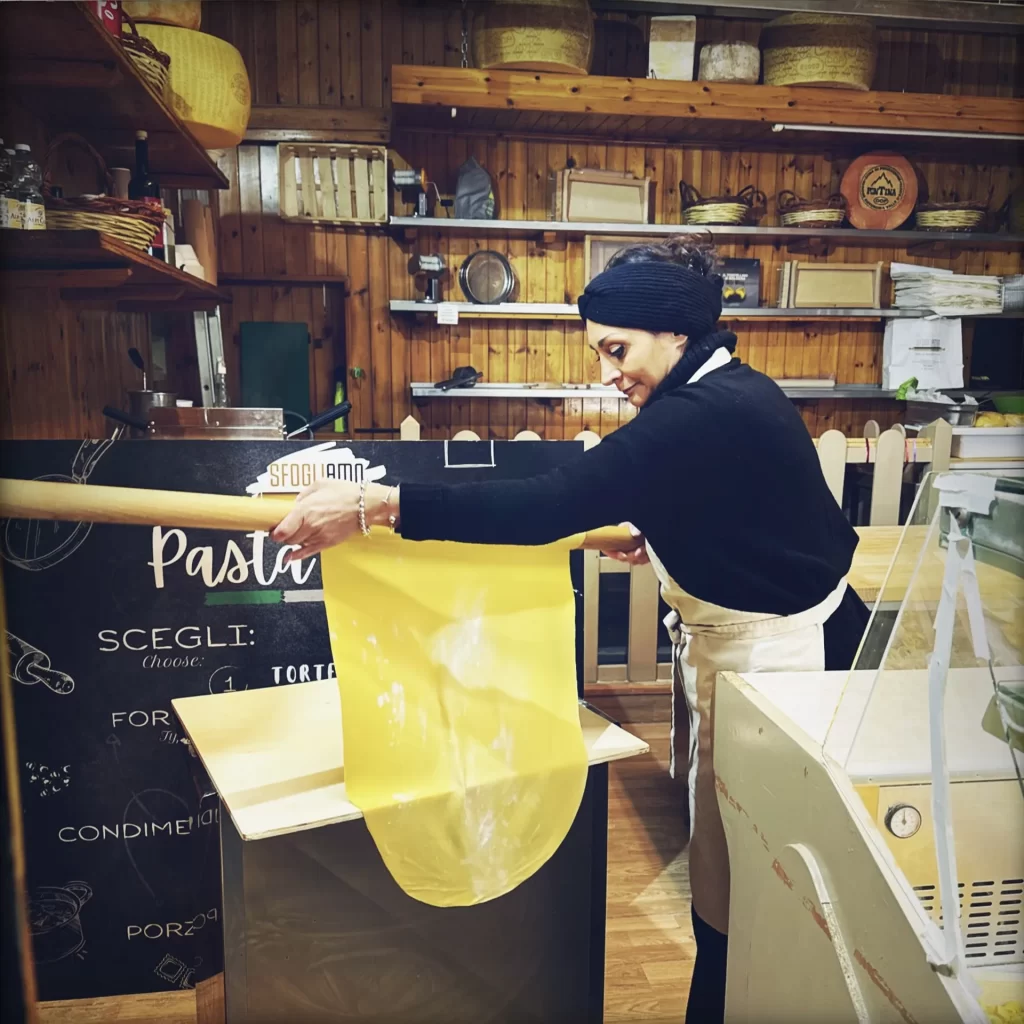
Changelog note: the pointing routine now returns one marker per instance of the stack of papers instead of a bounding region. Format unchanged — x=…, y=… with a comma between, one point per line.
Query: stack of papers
x=944, y=292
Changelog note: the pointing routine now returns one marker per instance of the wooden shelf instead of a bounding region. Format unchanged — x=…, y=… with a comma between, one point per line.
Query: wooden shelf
x=741, y=115
x=62, y=65
x=567, y=311
x=91, y=267
x=752, y=235
x=542, y=392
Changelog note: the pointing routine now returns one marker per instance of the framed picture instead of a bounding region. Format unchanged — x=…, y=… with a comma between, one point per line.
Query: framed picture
x=599, y=249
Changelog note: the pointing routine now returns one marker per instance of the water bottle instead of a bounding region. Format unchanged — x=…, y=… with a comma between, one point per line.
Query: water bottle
x=29, y=189
x=10, y=208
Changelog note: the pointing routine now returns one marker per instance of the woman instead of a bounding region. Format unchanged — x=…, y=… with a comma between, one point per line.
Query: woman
x=722, y=480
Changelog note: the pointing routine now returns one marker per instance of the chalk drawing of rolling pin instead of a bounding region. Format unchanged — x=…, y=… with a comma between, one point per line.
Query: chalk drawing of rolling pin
x=29, y=666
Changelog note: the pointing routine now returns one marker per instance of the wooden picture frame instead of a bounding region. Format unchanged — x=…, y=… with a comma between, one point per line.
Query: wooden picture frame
x=836, y=285
x=599, y=249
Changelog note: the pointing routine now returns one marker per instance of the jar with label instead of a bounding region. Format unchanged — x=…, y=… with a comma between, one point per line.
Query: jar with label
x=10, y=208
x=29, y=188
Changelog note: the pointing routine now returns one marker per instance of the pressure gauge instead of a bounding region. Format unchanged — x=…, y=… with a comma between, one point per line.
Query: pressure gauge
x=903, y=821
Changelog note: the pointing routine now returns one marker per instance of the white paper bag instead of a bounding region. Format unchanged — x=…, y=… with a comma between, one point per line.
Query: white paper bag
x=930, y=350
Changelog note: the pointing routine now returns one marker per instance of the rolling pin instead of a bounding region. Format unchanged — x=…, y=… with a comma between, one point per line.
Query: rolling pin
x=41, y=499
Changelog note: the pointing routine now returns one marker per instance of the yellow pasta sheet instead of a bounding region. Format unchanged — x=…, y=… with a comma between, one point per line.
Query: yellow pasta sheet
x=463, y=748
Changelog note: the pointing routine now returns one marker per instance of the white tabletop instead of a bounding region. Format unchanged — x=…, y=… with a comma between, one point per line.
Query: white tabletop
x=892, y=743
x=275, y=755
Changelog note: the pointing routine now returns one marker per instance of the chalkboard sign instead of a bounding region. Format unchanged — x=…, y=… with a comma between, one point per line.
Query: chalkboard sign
x=105, y=626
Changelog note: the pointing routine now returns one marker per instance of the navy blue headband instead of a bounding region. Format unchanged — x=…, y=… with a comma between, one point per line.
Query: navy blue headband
x=655, y=296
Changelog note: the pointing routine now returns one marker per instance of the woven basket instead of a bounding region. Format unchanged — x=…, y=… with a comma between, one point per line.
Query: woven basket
x=825, y=50
x=810, y=213
x=720, y=209
x=154, y=65
x=137, y=233
x=950, y=216
x=129, y=220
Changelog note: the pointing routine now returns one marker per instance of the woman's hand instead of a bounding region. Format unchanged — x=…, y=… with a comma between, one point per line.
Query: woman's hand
x=638, y=556
x=327, y=513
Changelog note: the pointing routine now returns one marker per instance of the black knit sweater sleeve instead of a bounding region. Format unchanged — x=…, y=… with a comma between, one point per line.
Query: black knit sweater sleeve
x=607, y=485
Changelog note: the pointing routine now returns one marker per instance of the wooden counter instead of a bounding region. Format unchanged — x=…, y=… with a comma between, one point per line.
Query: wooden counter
x=316, y=928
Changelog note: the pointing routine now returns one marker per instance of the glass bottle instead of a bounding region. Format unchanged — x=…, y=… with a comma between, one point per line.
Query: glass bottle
x=29, y=189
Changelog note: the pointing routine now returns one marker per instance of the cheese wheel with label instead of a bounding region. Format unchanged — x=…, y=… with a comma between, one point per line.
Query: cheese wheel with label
x=880, y=191
x=209, y=83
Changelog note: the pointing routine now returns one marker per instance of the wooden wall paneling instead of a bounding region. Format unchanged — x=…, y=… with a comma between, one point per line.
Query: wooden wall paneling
x=391, y=17
x=460, y=341
x=478, y=355
x=435, y=20
x=557, y=332
x=357, y=333
x=251, y=211
x=412, y=39
x=263, y=18
x=229, y=224
x=306, y=34
x=535, y=289
x=497, y=161
x=322, y=353
x=1008, y=69
x=437, y=339
x=371, y=54
x=517, y=185
x=274, y=261
x=286, y=35
x=350, y=53
x=380, y=332
x=243, y=37
x=63, y=364
x=331, y=56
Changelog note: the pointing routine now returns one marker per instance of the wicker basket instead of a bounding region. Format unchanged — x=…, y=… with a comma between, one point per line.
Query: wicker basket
x=129, y=220
x=130, y=229
x=821, y=50
x=154, y=65
x=810, y=213
x=950, y=216
x=748, y=203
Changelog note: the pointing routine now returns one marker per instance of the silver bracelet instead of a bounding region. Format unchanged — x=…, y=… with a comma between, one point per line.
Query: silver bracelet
x=362, y=508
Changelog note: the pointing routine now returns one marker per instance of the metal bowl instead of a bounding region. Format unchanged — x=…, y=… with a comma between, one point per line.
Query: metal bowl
x=961, y=415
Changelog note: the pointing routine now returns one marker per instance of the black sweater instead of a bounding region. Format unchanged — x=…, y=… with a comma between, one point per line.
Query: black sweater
x=721, y=476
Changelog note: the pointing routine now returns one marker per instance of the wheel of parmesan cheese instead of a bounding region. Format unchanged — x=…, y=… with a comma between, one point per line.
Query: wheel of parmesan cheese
x=209, y=84
x=183, y=13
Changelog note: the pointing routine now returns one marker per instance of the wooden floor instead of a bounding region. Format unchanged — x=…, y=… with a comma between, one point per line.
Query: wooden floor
x=650, y=943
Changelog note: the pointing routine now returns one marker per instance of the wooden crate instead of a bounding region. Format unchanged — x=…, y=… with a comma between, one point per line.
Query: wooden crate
x=600, y=196
x=838, y=285
x=333, y=183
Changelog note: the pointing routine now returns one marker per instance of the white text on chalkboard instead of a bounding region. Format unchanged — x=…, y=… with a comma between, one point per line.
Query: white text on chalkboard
x=171, y=547
x=165, y=929
x=188, y=638
x=132, y=830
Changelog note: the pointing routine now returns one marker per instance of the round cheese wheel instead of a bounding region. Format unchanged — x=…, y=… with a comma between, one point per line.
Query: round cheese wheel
x=209, y=84
x=880, y=191
x=183, y=13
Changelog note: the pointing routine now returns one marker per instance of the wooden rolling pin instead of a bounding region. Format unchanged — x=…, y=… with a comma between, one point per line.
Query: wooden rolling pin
x=41, y=499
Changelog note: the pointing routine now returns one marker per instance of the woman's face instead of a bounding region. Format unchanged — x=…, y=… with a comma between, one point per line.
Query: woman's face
x=636, y=362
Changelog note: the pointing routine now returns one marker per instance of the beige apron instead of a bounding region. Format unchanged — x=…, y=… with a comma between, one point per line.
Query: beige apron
x=708, y=639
